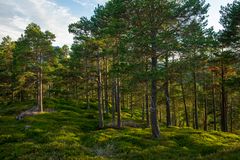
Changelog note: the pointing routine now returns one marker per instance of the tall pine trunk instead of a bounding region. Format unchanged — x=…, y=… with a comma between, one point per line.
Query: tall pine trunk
x=224, y=127
x=41, y=90
x=166, y=91
x=174, y=109
x=131, y=104
x=184, y=103
x=100, y=124
x=40, y=85
x=147, y=105
x=87, y=83
x=153, y=110
x=231, y=116
x=213, y=104
x=118, y=104
x=106, y=87
x=195, y=100
x=113, y=102
x=205, y=114
x=143, y=109
x=205, y=106
x=154, y=63
x=102, y=94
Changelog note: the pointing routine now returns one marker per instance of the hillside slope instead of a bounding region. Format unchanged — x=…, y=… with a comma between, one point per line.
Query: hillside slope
x=70, y=132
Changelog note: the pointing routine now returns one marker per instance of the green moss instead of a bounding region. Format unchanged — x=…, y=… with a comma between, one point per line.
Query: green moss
x=70, y=132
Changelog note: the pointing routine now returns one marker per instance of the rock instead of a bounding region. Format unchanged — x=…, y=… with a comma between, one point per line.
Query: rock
x=27, y=127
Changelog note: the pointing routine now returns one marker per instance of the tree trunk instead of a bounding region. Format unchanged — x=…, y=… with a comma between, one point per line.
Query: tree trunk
x=37, y=88
x=205, y=106
x=205, y=114
x=184, y=103
x=166, y=91
x=106, y=87
x=103, y=85
x=41, y=89
x=153, y=110
x=113, y=102
x=131, y=104
x=213, y=104
x=87, y=83
x=231, y=116
x=154, y=63
x=147, y=105
x=143, y=109
x=168, y=113
x=40, y=85
x=223, y=105
x=102, y=95
x=99, y=93
x=195, y=100
x=193, y=118
x=174, y=117
x=160, y=114
x=118, y=104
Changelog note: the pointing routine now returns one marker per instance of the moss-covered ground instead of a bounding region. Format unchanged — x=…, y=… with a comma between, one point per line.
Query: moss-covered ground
x=70, y=132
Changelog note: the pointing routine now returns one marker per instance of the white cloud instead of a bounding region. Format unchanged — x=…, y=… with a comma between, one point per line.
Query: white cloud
x=90, y=2
x=81, y=2
x=15, y=15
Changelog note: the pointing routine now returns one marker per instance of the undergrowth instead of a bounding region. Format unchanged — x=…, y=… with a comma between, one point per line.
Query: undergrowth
x=71, y=132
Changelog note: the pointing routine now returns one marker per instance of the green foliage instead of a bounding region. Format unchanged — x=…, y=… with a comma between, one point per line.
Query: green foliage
x=230, y=22
x=6, y=68
x=123, y=47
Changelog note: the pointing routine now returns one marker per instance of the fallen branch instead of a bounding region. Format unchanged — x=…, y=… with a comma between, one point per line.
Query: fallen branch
x=33, y=111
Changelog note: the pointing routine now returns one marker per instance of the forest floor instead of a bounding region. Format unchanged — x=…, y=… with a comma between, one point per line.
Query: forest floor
x=71, y=133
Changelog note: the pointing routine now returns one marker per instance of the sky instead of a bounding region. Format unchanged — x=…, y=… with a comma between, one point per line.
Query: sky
x=56, y=15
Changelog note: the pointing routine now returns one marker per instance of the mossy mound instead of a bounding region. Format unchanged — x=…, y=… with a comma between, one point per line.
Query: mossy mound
x=70, y=132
